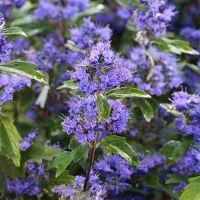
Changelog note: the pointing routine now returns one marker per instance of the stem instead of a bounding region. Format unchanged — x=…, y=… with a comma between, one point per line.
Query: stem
x=92, y=149
x=61, y=25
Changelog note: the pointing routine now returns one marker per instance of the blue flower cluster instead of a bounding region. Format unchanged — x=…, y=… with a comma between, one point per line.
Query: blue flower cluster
x=118, y=175
x=180, y=186
x=47, y=58
x=149, y=162
x=83, y=120
x=60, y=9
x=5, y=46
x=154, y=16
x=189, y=163
x=27, y=141
x=191, y=75
x=116, y=172
x=7, y=5
x=96, y=190
x=31, y=184
x=5, y=50
x=101, y=69
x=88, y=34
x=75, y=43
x=191, y=34
x=189, y=106
x=20, y=47
x=30, y=187
x=16, y=3
x=157, y=77
x=9, y=84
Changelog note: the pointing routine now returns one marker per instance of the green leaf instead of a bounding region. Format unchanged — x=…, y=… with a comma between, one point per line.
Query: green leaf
x=65, y=178
x=175, y=46
x=195, y=179
x=42, y=98
x=61, y=162
x=171, y=109
x=8, y=169
x=9, y=139
x=197, y=196
x=72, y=46
x=13, y=32
x=39, y=151
x=80, y=152
x=114, y=144
x=93, y=9
x=191, y=191
x=125, y=3
x=103, y=108
x=126, y=91
x=69, y=84
x=23, y=68
x=147, y=107
x=152, y=65
x=175, y=178
x=151, y=181
x=24, y=10
x=173, y=150
x=73, y=144
x=192, y=67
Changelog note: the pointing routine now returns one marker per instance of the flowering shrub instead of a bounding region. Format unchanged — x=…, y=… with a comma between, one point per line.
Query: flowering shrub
x=99, y=99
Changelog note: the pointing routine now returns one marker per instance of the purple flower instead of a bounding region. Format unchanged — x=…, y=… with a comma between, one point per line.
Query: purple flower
x=9, y=84
x=35, y=169
x=189, y=163
x=24, y=145
x=156, y=78
x=101, y=69
x=116, y=172
x=88, y=34
x=123, y=13
x=79, y=181
x=31, y=184
x=180, y=186
x=19, y=3
x=2, y=20
x=20, y=47
x=31, y=136
x=60, y=9
x=5, y=50
x=149, y=162
x=83, y=120
x=189, y=105
x=47, y=57
x=154, y=16
x=114, y=165
x=95, y=191
x=184, y=101
x=191, y=34
x=27, y=141
x=191, y=75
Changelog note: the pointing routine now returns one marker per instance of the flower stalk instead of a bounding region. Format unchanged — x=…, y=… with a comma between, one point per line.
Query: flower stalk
x=92, y=148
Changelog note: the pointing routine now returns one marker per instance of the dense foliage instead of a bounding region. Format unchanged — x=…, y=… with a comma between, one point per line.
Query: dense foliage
x=99, y=99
